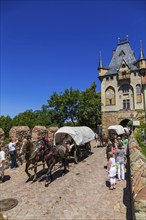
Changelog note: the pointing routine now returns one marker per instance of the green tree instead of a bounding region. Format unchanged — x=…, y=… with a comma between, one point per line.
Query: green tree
x=89, y=111
x=64, y=106
x=27, y=118
x=44, y=116
x=6, y=124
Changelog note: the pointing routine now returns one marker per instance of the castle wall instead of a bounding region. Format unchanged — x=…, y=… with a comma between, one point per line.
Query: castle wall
x=115, y=118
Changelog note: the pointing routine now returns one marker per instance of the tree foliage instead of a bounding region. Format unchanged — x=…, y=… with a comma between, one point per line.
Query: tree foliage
x=65, y=106
x=6, y=124
x=89, y=111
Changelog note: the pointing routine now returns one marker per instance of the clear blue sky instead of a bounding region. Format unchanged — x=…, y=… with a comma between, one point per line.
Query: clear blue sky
x=49, y=46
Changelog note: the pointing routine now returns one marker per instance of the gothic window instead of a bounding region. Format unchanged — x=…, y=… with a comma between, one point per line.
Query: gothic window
x=110, y=96
x=126, y=104
x=138, y=93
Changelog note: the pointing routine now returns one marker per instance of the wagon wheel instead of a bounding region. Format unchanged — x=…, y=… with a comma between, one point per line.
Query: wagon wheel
x=88, y=148
x=76, y=156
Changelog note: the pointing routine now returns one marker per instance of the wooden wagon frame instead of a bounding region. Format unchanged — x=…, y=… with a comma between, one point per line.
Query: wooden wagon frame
x=79, y=137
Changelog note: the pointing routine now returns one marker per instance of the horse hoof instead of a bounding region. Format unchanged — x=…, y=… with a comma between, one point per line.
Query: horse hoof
x=40, y=179
x=64, y=172
x=47, y=184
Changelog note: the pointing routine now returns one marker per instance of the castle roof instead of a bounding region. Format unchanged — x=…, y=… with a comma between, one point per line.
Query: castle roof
x=122, y=52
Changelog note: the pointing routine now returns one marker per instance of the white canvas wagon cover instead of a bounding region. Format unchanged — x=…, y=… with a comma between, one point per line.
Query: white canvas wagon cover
x=117, y=128
x=80, y=134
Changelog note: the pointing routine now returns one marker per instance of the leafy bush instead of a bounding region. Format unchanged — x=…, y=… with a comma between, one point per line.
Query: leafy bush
x=139, y=138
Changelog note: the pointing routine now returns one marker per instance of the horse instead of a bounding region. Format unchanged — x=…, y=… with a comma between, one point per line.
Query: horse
x=33, y=155
x=57, y=153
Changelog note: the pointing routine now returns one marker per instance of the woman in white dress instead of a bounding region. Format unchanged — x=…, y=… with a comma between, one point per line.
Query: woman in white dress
x=111, y=167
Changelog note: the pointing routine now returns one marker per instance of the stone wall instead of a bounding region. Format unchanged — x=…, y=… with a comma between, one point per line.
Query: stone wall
x=51, y=132
x=39, y=132
x=2, y=135
x=115, y=118
x=138, y=180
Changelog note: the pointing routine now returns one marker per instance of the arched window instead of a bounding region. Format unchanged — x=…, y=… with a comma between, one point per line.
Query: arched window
x=138, y=93
x=110, y=96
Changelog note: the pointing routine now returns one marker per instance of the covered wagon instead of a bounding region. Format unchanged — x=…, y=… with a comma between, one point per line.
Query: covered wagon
x=116, y=129
x=79, y=138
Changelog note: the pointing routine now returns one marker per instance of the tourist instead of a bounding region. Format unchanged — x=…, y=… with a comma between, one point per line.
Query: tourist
x=104, y=140
x=111, y=168
x=116, y=142
x=12, y=152
x=108, y=149
x=2, y=164
x=126, y=144
x=120, y=157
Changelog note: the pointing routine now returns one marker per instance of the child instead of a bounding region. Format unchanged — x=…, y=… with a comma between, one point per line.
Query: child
x=112, y=171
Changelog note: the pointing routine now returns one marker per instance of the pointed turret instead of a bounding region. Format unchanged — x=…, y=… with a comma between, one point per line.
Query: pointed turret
x=141, y=51
x=100, y=61
x=101, y=70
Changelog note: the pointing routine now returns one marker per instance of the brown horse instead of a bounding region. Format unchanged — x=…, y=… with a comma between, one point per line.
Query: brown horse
x=56, y=154
x=33, y=155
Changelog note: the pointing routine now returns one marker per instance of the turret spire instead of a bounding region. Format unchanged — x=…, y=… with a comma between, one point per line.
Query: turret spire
x=141, y=51
x=100, y=61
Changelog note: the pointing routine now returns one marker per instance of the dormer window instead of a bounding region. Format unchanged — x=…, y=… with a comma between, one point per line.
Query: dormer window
x=121, y=53
x=123, y=65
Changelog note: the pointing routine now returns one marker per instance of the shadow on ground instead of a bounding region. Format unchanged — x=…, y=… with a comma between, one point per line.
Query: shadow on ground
x=127, y=193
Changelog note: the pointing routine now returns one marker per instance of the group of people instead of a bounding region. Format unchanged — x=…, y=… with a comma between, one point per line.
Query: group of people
x=116, y=152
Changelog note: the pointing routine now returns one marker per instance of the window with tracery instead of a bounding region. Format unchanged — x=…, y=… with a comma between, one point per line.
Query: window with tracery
x=110, y=96
x=138, y=93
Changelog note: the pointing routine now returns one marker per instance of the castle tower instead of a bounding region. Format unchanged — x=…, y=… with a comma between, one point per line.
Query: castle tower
x=141, y=64
x=121, y=83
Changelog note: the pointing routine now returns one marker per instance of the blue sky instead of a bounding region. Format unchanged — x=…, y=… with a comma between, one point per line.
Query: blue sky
x=49, y=46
